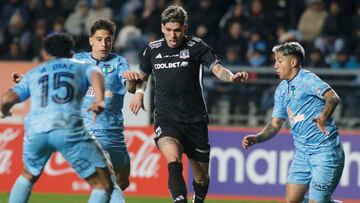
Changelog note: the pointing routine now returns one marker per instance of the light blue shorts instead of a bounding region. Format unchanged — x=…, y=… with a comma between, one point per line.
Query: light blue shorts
x=84, y=156
x=112, y=141
x=321, y=172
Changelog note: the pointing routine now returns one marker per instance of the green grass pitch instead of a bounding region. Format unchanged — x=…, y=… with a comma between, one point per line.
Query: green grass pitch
x=61, y=198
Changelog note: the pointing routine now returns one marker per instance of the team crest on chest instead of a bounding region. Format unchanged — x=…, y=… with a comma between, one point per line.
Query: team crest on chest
x=184, y=54
x=106, y=69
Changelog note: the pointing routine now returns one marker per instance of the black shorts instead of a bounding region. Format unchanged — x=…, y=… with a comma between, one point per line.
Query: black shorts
x=193, y=137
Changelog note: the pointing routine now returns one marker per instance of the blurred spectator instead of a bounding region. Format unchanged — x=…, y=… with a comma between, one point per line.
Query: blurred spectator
x=204, y=22
x=344, y=60
x=48, y=10
x=260, y=20
x=235, y=13
x=256, y=50
x=233, y=38
x=315, y=59
x=232, y=56
x=10, y=8
x=98, y=11
x=59, y=25
x=312, y=21
x=128, y=33
x=355, y=32
x=14, y=53
x=150, y=16
x=280, y=10
x=75, y=25
x=129, y=7
x=37, y=38
x=16, y=31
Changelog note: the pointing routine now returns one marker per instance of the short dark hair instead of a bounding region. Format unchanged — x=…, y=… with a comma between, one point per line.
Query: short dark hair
x=103, y=24
x=290, y=48
x=174, y=14
x=59, y=44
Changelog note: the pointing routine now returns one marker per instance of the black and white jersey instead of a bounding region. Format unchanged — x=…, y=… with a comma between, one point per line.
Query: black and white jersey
x=178, y=74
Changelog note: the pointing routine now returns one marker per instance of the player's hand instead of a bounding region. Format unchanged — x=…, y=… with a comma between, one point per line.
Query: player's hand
x=239, y=77
x=6, y=114
x=16, y=77
x=321, y=124
x=248, y=141
x=137, y=102
x=96, y=107
x=131, y=75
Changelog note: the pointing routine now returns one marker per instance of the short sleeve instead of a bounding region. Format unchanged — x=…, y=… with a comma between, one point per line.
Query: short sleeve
x=22, y=89
x=123, y=66
x=315, y=86
x=206, y=55
x=89, y=70
x=279, y=110
x=145, y=62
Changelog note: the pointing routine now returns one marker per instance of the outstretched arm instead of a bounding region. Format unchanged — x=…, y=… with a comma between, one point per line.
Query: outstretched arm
x=97, y=83
x=268, y=132
x=226, y=75
x=8, y=100
x=331, y=101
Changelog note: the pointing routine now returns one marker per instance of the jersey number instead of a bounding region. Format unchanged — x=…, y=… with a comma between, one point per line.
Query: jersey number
x=58, y=83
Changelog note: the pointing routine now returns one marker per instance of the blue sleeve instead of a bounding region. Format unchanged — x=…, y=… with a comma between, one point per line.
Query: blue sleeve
x=313, y=85
x=89, y=70
x=279, y=110
x=22, y=89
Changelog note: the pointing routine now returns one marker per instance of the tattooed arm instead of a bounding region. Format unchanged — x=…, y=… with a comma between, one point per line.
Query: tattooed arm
x=269, y=131
x=227, y=76
x=331, y=101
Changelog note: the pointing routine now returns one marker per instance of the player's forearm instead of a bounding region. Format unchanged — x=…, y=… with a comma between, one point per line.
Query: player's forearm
x=222, y=73
x=331, y=101
x=98, y=86
x=267, y=133
x=8, y=100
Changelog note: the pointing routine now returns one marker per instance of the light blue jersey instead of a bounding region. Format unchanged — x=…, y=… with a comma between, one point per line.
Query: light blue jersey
x=301, y=100
x=57, y=88
x=112, y=68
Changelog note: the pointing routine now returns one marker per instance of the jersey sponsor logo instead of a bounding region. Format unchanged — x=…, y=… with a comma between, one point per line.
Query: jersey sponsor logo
x=295, y=118
x=7, y=136
x=184, y=54
x=171, y=65
x=171, y=56
x=91, y=93
x=320, y=187
x=155, y=45
x=158, y=56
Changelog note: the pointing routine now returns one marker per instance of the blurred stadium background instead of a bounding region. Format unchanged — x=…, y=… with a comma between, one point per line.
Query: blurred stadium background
x=242, y=33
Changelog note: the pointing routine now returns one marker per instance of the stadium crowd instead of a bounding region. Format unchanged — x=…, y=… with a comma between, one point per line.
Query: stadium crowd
x=242, y=32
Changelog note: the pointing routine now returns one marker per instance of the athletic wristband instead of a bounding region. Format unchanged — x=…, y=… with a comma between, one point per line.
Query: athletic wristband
x=141, y=91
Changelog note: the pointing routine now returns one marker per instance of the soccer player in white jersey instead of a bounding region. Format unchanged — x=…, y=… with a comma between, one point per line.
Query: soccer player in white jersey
x=54, y=123
x=308, y=102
